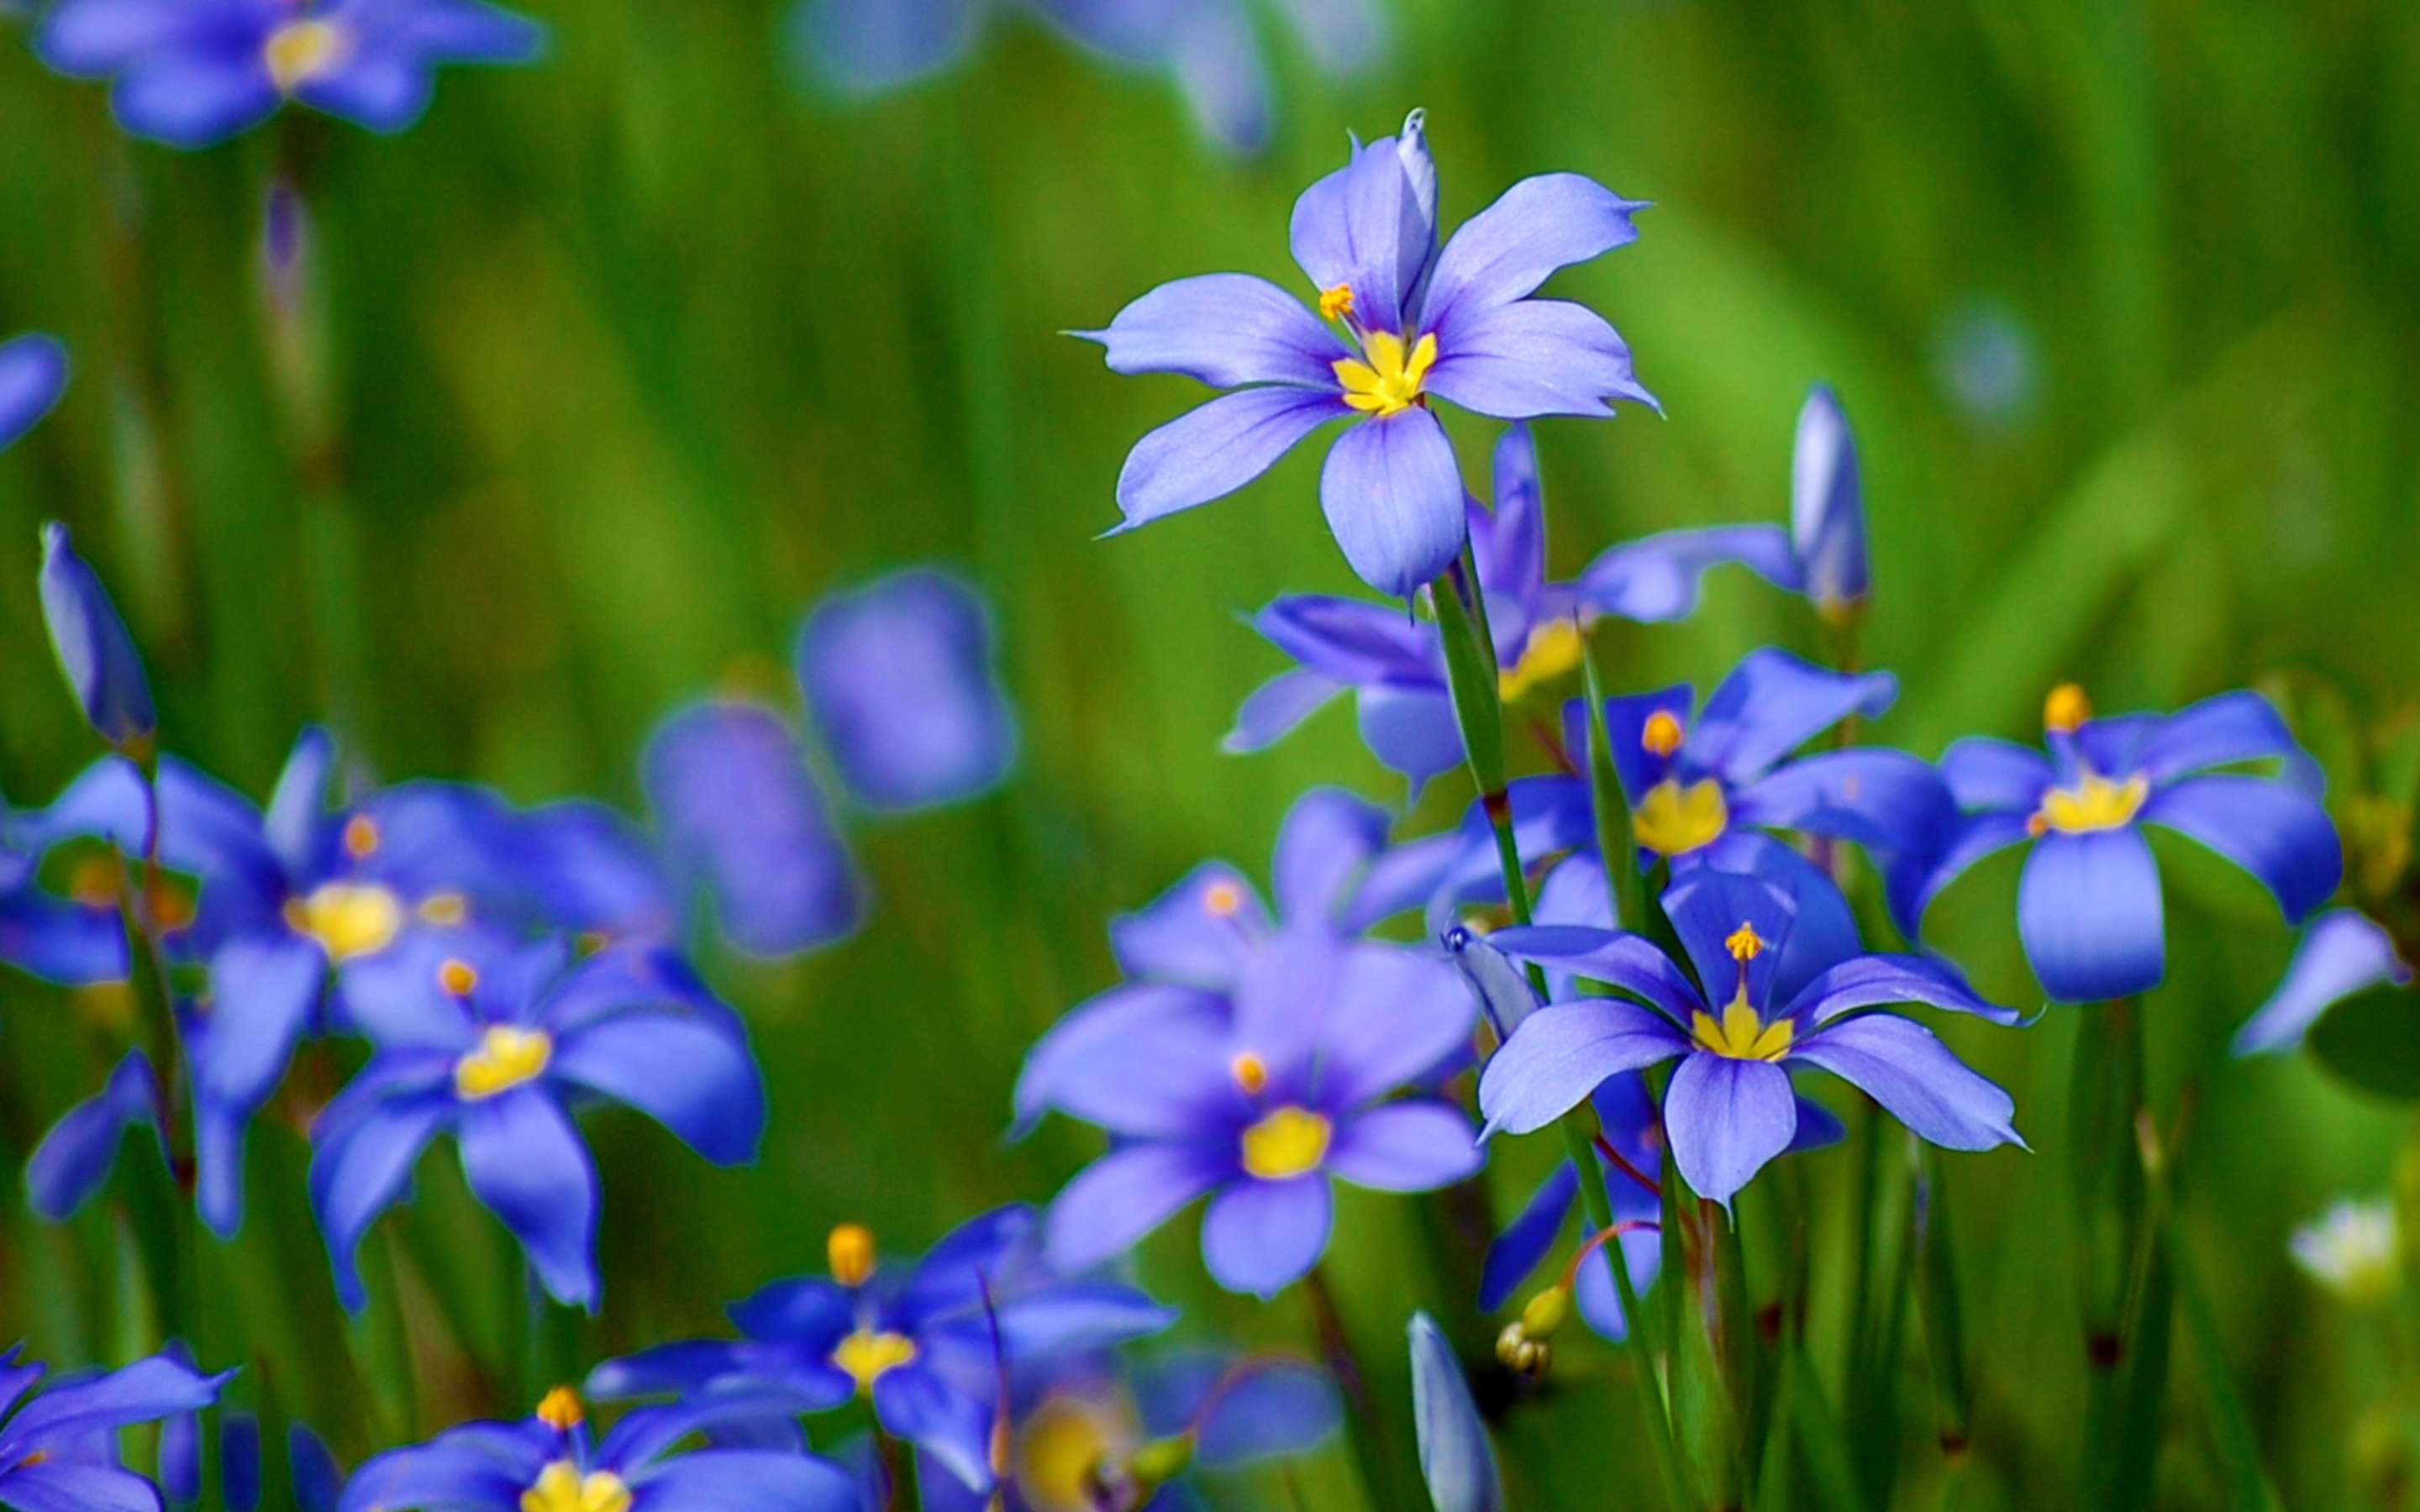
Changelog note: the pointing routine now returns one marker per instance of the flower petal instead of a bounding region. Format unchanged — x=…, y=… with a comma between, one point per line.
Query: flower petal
x=1412, y=732
x=526, y=1164
x=1525, y=1241
x=1913, y=879
x=74, y=1158
x=1658, y=578
x=1218, y=67
x=2241, y=726
x=1727, y=1118
x=1772, y=703
x=1393, y=498
x=1506, y=251
x=693, y=1076
x=2089, y=912
x=2342, y=953
x=1217, y=448
x=1124, y=1195
x=33, y=375
x=863, y=47
x=1079, y=1065
x=1532, y=358
x=1984, y=772
x=1630, y=961
x=1559, y=1055
x=1327, y=837
x=1900, y=1064
x=1364, y=226
x=1355, y=641
x=1273, y=711
x=1395, y=1015
x=1457, y=1460
x=1508, y=542
x=1827, y=516
x=1415, y=1146
x=195, y=99
x=747, y=1480
x=1871, y=980
x=1882, y=799
x=2279, y=834
x=1196, y=933
x=360, y=1169
x=1259, y=1237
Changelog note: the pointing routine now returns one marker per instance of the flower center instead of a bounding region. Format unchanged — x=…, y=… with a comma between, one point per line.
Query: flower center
x=2093, y=803
x=507, y=1056
x=1061, y=1451
x=301, y=51
x=867, y=1356
x=1553, y=649
x=347, y=919
x=1742, y=1033
x=1673, y=820
x=1389, y=382
x=560, y=1487
x=1288, y=1142
x=1336, y=303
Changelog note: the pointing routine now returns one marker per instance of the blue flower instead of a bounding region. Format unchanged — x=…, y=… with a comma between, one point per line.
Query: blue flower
x=1396, y=665
x=1731, y=1105
x=1827, y=511
x=900, y=683
x=740, y=820
x=1456, y=1457
x=195, y=72
x=2088, y=905
x=551, y=1462
x=80, y=939
x=33, y=375
x=95, y=650
x=74, y=1158
x=58, y=1450
x=925, y=1343
x=496, y=1041
x=2342, y=953
x=1399, y=321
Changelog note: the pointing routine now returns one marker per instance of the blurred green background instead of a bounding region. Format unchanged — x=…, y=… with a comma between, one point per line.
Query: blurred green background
x=635, y=353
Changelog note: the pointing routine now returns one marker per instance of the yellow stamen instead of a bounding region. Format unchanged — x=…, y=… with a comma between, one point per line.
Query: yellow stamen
x=301, y=51
x=1336, y=303
x=560, y=1487
x=851, y=1250
x=1553, y=650
x=347, y=919
x=867, y=1355
x=1673, y=820
x=361, y=836
x=1288, y=1142
x=1744, y=944
x=1222, y=900
x=1661, y=736
x=1390, y=381
x=1062, y=1449
x=1743, y=1034
x=2066, y=708
x=2094, y=803
x=443, y=908
x=1250, y=1073
x=561, y=1409
x=507, y=1056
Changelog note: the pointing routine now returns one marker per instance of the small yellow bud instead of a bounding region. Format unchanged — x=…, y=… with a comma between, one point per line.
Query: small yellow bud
x=2065, y=709
x=850, y=1249
x=561, y=1409
x=361, y=836
x=1547, y=1312
x=1661, y=736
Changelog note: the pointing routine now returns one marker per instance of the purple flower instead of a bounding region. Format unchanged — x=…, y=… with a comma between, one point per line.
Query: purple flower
x=94, y=649
x=58, y=1450
x=2342, y=953
x=901, y=684
x=1731, y=1106
x=1399, y=321
x=33, y=375
x=497, y=1042
x=76, y=940
x=2088, y=905
x=195, y=72
x=925, y=1343
x=1396, y=665
x=1828, y=512
x=550, y=1463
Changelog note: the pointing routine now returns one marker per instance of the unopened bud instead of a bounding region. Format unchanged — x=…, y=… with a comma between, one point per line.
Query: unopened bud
x=1547, y=1312
x=1521, y=1353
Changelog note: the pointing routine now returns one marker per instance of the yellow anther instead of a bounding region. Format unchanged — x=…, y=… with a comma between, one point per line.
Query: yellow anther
x=507, y=1057
x=2093, y=803
x=361, y=836
x=1742, y=1033
x=1251, y=1074
x=1553, y=649
x=1336, y=303
x=443, y=908
x=560, y=1487
x=1744, y=944
x=458, y=978
x=301, y=51
x=867, y=1356
x=2066, y=708
x=1390, y=381
x=1222, y=900
x=1289, y=1142
x=561, y=1409
x=1673, y=820
x=348, y=920
x=849, y=1249
x=1661, y=736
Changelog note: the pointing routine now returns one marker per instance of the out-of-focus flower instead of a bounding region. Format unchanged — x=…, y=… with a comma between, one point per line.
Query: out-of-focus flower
x=901, y=684
x=549, y=1462
x=1456, y=1459
x=317, y=1480
x=577, y=866
x=2088, y=906
x=925, y=1343
x=1399, y=322
x=2354, y=1250
x=496, y=1041
x=2342, y=953
x=1827, y=509
x=33, y=375
x=57, y=1449
x=739, y=818
x=1396, y=665
x=1731, y=1106
x=195, y=72
x=1985, y=359
x=95, y=650
x=74, y=1158
x=77, y=940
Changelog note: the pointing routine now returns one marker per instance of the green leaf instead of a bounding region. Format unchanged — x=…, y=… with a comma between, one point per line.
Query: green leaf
x=2371, y=1041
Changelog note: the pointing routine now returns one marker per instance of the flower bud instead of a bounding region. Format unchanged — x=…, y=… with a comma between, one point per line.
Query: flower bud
x=1546, y=1312
x=95, y=651
x=1456, y=1459
x=33, y=375
x=1828, y=512
x=1521, y=1354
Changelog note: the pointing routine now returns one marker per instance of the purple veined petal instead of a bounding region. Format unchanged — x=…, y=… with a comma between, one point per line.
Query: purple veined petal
x=1275, y=709
x=1988, y=773
x=95, y=650
x=2241, y=726
x=1772, y=703
x=1827, y=512
x=1260, y=1237
x=2089, y=912
x=1562, y=1051
x=1630, y=961
x=219, y=1139
x=1708, y=905
x=583, y=868
x=61, y=1484
x=1393, y=494
x=1217, y=448
x=2341, y=953
x=195, y=99
x=1363, y=226
x=1529, y=1237
x=1627, y=718
x=746, y=1480
x=1127, y=1193
x=446, y=1471
x=150, y=1389
x=1534, y=358
x=1354, y=640
x=263, y=989
x=1343, y=37
x=296, y=806
x=1226, y=330
x=1085, y=1051
x=1413, y=732
x=74, y=1158
x=180, y=1445
x=359, y=1171
x=526, y=1163
x=1549, y=814
x=1823, y=933
x=211, y=830
x=1195, y=934
x=916, y=1404
x=1217, y=66
x=1727, y=1118
x=694, y=1076
x=1881, y=800
x=2279, y=834
x=1328, y=836
x=1575, y=892
x=1283, y=1002
x=1874, y=980
x=693, y=1367
x=1457, y=1459
x=1658, y=578
x=1502, y=254
x=1900, y=1064
x=33, y=375
x=1415, y=1146
x=1913, y=880
x=864, y=47
x=1404, y=876
x=1509, y=542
